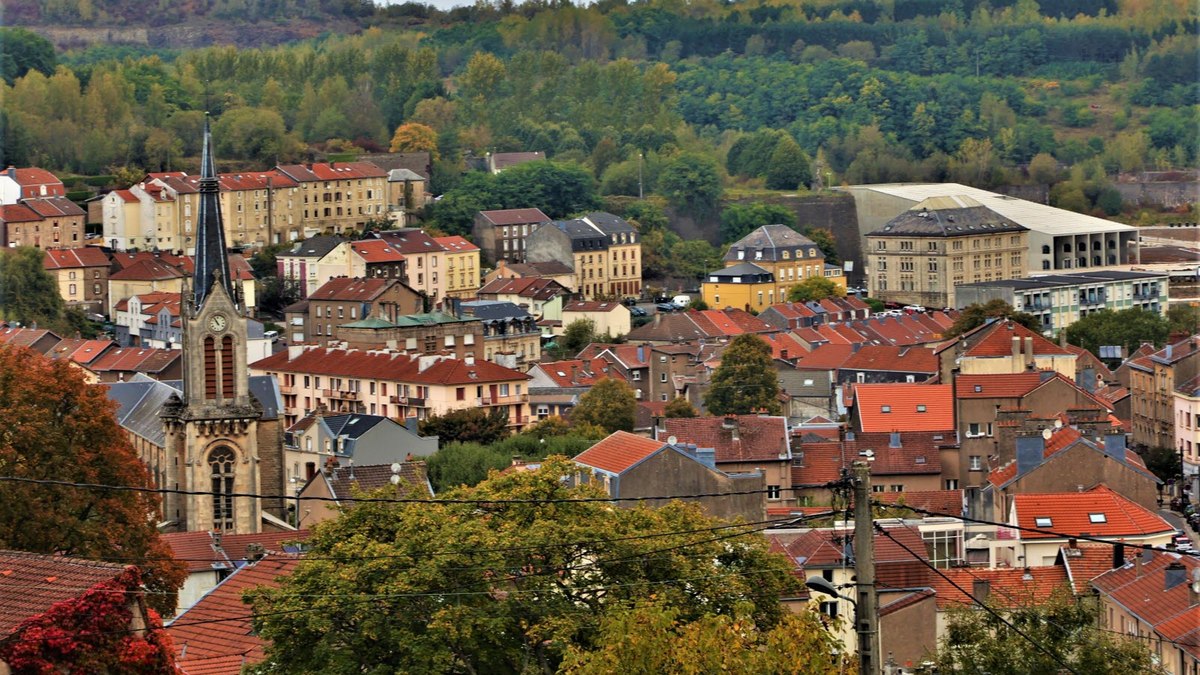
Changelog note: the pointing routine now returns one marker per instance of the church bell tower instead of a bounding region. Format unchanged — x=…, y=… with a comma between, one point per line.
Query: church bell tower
x=212, y=431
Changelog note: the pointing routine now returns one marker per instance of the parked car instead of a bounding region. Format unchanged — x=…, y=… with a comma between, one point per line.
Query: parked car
x=665, y=307
x=637, y=311
x=681, y=301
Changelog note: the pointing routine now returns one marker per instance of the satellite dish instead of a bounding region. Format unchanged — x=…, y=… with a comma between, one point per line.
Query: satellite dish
x=1046, y=434
x=672, y=440
x=1057, y=424
x=396, y=467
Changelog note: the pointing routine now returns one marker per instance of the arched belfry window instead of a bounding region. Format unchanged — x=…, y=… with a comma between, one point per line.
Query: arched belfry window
x=227, y=367
x=210, y=368
x=221, y=462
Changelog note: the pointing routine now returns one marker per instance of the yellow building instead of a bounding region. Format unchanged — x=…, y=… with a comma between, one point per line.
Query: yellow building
x=339, y=196
x=462, y=267
x=742, y=286
x=603, y=250
x=789, y=256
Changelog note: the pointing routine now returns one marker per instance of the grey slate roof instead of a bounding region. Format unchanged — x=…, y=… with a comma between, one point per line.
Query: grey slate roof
x=140, y=401
x=772, y=240
x=315, y=247
x=397, y=175
x=740, y=269
x=608, y=223
x=351, y=426
x=494, y=309
x=958, y=222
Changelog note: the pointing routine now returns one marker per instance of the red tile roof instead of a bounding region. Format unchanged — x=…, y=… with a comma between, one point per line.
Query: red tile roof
x=81, y=351
x=538, y=288
x=33, y=176
x=1070, y=514
x=577, y=372
x=618, y=452
x=904, y=407
x=411, y=242
x=825, y=357
x=740, y=438
x=54, y=207
x=31, y=583
x=201, y=552
x=793, y=310
x=996, y=386
x=939, y=501
x=352, y=289
x=996, y=340
x=456, y=244
x=385, y=366
x=376, y=251
x=917, y=453
x=66, y=258
x=893, y=358
x=24, y=337
x=332, y=171
x=218, y=625
x=515, y=216
x=581, y=306
x=784, y=346
x=1007, y=587
x=136, y=359
x=147, y=270
x=1085, y=562
x=1143, y=592
x=18, y=213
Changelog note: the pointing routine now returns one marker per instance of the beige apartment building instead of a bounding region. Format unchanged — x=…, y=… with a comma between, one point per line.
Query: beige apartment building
x=604, y=252
x=921, y=255
x=462, y=267
x=339, y=196
x=391, y=384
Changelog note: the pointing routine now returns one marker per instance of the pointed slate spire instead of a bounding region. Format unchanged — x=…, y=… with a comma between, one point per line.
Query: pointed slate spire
x=212, y=261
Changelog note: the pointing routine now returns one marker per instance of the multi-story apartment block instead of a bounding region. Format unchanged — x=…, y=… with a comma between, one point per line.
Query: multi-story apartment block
x=407, y=194
x=339, y=196
x=42, y=222
x=346, y=300
x=922, y=255
x=1062, y=299
x=501, y=233
x=462, y=267
x=1152, y=384
x=603, y=250
x=741, y=286
x=391, y=384
x=257, y=207
x=82, y=275
x=28, y=183
x=413, y=334
x=1187, y=428
x=369, y=259
x=300, y=263
x=425, y=261
x=787, y=255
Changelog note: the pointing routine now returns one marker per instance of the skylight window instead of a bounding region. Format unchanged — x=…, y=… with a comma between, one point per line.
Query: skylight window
x=1097, y=518
x=978, y=388
x=1043, y=522
x=920, y=408
x=885, y=408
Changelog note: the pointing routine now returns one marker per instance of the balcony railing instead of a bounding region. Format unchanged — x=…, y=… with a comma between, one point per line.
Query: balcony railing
x=502, y=400
x=287, y=388
x=408, y=400
x=341, y=395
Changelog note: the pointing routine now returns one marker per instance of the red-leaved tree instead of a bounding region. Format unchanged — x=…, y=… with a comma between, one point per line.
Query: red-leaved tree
x=55, y=426
x=95, y=632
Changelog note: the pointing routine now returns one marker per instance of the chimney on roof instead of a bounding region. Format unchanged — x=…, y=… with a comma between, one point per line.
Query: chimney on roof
x=1173, y=575
x=1118, y=555
x=255, y=552
x=216, y=538
x=706, y=456
x=12, y=172
x=1030, y=449
x=981, y=589
x=1029, y=360
x=1114, y=446
x=1087, y=379
x=1016, y=349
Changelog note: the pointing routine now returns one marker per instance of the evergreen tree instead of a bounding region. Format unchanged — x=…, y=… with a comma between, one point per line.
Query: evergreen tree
x=790, y=168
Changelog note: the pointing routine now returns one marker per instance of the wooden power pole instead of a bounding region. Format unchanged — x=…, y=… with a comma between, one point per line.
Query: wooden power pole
x=867, y=605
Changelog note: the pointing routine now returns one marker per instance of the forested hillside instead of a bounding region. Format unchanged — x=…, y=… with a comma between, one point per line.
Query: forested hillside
x=770, y=94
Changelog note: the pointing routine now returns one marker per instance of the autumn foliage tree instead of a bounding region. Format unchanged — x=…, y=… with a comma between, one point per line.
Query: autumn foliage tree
x=57, y=427
x=92, y=633
x=610, y=404
x=415, y=137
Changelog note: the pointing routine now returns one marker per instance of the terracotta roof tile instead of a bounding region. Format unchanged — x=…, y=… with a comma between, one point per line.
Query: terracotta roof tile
x=18, y=213
x=31, y=583
x=81, y=351
x=226, y=630
x=367, y=477
x=515, y=216
x=376, y=251
x=332, y=171
x=351, y=289
x=33, y=176
x=825, y=357
x=147, y=270
x=386, y=366
x=997, y=385
x=1007, y=587
x=917, y=452
x=618, y=452
x=69, y=258
x=1085, y=562
x=582, y=306
x=904, y=407
x=456, y=244
x=893, y=358
x=24, y=337
x=1075, y=513
x=201, y=552
x=136, y=359
x=996, y=340
x=411, y=242
x=757, y=438
x=1142, y=590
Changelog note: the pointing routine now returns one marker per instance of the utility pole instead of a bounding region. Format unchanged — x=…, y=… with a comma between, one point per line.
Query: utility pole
x=866, y=613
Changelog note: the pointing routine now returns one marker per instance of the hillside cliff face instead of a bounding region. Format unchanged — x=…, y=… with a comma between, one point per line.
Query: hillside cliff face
x=195, y=33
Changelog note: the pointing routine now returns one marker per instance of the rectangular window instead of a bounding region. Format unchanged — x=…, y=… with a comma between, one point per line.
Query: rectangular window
x=1043, y=521
x=976, y=463
x=774, y=492
x=460, y=394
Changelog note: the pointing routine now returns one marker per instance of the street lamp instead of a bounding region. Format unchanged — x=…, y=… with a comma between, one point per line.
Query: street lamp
x=826, y=587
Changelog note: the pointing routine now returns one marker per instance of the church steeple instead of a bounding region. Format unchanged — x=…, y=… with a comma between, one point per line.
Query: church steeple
x=212, y=261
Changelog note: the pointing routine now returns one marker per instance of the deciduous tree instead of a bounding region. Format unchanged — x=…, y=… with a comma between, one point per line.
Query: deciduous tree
x=1126, y=327
x=679, y=407
x=610, y=404
x=790, y=168
x=746, y=380
x=979, y=314
x=60, y=428
x=415, y=137
x=470, y=425
x=491, y=587
x=738, y=220
x=691, y=183
x=815, y=288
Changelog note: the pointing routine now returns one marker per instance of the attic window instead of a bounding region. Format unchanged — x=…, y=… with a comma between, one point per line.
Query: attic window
x=921, y=408
x=1097, y=518
x=978, y=388
x=1043, y=522
x=885, y=408
x=920, y=460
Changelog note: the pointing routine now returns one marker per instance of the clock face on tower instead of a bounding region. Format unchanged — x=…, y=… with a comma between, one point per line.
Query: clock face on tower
x=217, y=323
